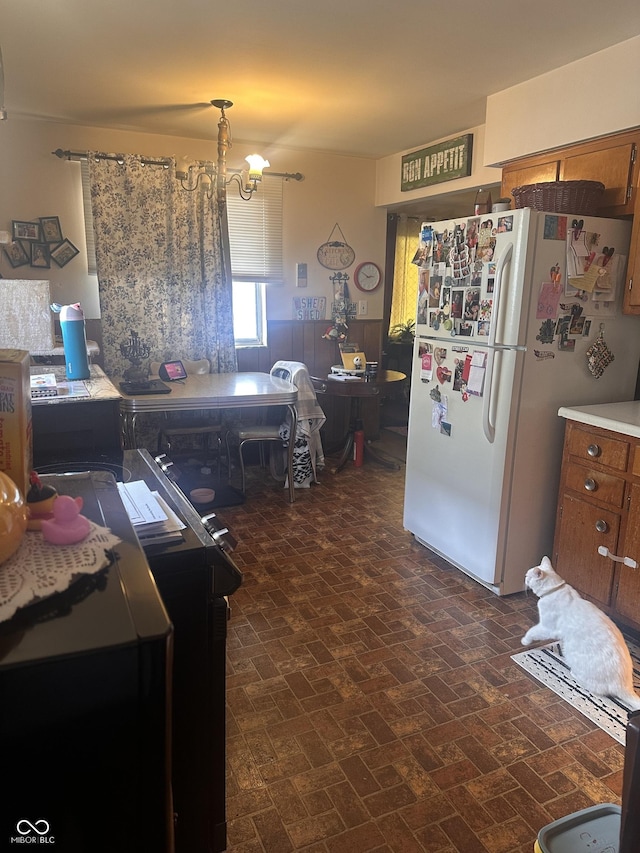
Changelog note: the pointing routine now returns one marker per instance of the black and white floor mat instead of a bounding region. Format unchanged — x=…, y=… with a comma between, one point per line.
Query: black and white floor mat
x=547, y=666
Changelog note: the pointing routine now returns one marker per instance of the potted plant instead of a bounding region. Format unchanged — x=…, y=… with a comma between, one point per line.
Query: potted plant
x=403, y=333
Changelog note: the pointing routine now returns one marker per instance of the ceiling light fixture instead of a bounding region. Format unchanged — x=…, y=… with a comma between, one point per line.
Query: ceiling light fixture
x=215, y=174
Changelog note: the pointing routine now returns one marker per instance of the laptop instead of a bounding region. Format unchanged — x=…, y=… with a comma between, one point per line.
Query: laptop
x=149, y=386
x=354, y=362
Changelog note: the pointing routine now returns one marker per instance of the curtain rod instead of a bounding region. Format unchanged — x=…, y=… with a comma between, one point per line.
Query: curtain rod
x=119, y=158
x=164, y=162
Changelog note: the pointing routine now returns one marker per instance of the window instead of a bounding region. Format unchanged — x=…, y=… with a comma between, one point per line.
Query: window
x=255, y=238
x=249, y=313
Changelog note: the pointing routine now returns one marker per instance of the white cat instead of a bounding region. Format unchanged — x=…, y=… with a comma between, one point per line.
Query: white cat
x=592, y=646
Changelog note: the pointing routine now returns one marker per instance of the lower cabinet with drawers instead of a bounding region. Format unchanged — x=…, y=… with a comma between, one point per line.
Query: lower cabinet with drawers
x=597, y=539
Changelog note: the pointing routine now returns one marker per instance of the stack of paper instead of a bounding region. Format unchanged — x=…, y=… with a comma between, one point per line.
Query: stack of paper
x=153, y=519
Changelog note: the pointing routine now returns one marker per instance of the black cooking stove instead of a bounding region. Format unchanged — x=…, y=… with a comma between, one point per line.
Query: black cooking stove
x=194, y=578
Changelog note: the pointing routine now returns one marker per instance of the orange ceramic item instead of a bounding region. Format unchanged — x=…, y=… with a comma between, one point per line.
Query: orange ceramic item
x=13, y=517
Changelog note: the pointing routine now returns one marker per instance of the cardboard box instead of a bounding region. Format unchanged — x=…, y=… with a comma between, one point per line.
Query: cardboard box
x=16, y=440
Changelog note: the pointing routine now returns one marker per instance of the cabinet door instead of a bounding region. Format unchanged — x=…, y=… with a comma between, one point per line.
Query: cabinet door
x=613, y=167
x=518, y=176
x=627, y=601
x=631, y=304
x=583, y=528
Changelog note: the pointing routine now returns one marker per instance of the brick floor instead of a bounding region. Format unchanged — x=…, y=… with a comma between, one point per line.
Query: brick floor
x=372, y=701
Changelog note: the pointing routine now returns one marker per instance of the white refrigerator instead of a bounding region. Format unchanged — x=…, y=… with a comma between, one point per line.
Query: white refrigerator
x=519, y=313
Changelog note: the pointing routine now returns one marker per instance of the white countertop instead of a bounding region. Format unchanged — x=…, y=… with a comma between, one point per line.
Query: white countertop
x=617, y=417
x=99, y=386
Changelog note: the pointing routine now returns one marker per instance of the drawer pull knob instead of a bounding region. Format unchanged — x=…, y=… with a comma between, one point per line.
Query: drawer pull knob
x=594, y=450
x=628, y=561
x=590, y=484
x=601, y=526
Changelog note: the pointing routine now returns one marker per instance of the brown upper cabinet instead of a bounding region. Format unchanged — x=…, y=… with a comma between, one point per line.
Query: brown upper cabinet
x=614, y=161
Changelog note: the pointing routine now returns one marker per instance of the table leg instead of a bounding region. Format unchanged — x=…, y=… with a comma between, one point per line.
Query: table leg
x=347, y=449
x=370, y=452
x=128, y=424
x=346, y=453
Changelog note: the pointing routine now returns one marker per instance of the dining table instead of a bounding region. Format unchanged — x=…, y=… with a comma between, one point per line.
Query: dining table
x=214, y=391
x=356, y=388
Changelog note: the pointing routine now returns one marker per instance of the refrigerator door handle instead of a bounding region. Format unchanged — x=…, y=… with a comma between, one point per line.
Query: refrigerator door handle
x=488, y=418
x=505, y=257
x=488, y=414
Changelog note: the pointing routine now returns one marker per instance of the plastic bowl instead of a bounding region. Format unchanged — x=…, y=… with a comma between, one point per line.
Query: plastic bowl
x=202, y=496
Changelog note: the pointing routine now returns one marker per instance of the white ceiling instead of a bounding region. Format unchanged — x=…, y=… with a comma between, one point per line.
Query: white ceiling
x=359, y=77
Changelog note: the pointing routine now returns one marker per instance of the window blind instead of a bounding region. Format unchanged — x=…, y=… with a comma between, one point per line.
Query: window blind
x=88, y=219
x=255, y=233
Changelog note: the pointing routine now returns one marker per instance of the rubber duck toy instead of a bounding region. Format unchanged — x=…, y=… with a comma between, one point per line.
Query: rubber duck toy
x=67, y=525
x=39, y=502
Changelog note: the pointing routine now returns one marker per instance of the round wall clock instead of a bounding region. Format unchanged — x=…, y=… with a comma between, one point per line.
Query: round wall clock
x=367, y=276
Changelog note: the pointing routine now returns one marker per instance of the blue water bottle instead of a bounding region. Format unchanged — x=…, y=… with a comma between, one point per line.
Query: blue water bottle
x=74, y=340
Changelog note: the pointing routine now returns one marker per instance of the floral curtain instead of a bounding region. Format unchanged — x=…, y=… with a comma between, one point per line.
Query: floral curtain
x=160, y=255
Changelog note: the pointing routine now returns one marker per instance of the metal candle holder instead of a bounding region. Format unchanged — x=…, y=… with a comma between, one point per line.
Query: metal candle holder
x=135, y=351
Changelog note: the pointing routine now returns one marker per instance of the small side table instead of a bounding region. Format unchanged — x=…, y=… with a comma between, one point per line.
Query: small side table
x=355, y=390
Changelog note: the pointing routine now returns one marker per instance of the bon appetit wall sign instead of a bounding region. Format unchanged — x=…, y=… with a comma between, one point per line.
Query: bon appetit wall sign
x=444, y=161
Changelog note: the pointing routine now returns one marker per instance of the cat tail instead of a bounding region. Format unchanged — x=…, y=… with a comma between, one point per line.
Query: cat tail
x=631, y=700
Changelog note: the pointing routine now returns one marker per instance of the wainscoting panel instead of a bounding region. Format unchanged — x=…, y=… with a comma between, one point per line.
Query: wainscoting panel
x=294, y=340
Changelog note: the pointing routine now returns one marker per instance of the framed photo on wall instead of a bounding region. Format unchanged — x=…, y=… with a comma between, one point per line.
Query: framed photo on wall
x=50, y=229
x=40, y=256
x=26, y=230
x=63, y=253
x=16, y=254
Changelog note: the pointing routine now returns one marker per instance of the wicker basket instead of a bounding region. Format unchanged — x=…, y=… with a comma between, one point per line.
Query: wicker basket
x=561, y=196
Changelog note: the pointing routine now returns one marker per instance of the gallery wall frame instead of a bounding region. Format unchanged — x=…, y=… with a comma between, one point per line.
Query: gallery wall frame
x=16, y=254
x=40, y=256
x=50, y=229
x=23, y=230
x=64, y=252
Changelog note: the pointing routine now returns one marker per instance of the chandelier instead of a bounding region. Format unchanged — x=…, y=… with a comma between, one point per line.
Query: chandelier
x=213, y=176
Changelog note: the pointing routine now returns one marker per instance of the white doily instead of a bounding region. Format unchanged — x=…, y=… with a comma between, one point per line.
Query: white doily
x=39, y=569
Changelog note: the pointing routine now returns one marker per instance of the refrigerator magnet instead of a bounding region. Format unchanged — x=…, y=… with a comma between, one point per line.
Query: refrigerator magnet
x=547, y=332
x=443, y=374
x=543, y=355
x=548, y=300
x=426, y=367
x=458, y=382
x=438, y=414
